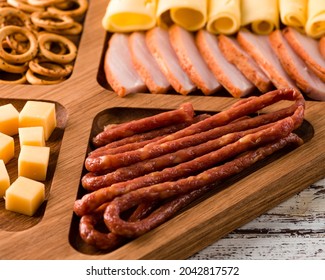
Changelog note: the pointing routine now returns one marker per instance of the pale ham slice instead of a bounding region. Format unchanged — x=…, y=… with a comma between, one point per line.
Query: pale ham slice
x=259, y=48
x=118, y=67
x=308, y=50
x=157, y=40
x=321, y=46
x=238, y=57
x=311, y=84
x=191, y=61
x=146, y=65
x=226, y=73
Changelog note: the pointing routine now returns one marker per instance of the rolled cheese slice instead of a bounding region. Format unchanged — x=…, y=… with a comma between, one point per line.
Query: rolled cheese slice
x=189, y=14
x=130, y=15
x=293, y=13
x=224, y=16
x=261, y=16
x=315, y=26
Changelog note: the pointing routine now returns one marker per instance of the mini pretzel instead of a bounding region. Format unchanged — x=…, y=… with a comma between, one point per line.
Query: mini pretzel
x=21, y=80
x=44, y=3
x=77, y=13
x=6, y=12
x=42, y=80
x=44, y=67
x=22, y=5
x=13, y=68
x=18, y=58
x=44, y=38
x=75, y=29
x=51, y=20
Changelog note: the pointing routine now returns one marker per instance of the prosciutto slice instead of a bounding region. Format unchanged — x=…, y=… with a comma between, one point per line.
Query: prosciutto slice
x=259, y=48
x=191, y=60
x=238, y=57
x=118, y=67
x=307, y=49
x=321, y=46
x=226, y=73
x=146, y=65
x=157, y=40
x=311, y=84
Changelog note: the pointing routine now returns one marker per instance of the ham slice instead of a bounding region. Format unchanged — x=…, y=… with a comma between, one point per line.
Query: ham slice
x=191, y=61
x=321, y=46
x=307, y=49
x=310, y=83
x=157, y=40
x=259, y=48
x=238, y=57
x=226, y=73
x=118, y=67
x=146, y=65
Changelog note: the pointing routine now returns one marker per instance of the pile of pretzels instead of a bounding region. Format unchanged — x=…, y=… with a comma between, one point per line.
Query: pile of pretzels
x=38, y=40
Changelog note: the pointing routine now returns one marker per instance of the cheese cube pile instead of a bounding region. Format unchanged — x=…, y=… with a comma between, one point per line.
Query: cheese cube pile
x=4, y=178
x=25, y=196
x=9, y=119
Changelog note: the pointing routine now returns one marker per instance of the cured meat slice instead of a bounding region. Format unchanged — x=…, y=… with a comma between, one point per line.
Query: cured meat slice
x=259, y=48
x=311, y=84
x=226, y=73
x=321, y=46
x=157, y=40
x=307, y=49
x=146, y=65
x=238, y=57
x=191, y=61
x=118, y=67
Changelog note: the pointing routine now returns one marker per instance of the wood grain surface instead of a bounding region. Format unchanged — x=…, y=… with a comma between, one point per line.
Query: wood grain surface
x=227, y=224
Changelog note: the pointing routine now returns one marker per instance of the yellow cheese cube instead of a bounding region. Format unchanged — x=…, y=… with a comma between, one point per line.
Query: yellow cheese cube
x=4, y=179
x=33, y=162
x=7, y=147
x=9, y=119
x=25, y=196
x=39, y=113
x=31, y=136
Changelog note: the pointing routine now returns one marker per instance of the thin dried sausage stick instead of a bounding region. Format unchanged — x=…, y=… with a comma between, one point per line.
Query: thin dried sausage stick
x=92, y=181
x=140, y=140
x=155, y=149
x=280, y=129
x=184, y=113
x=169, y=189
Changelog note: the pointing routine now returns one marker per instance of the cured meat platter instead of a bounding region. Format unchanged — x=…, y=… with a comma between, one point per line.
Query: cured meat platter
x=84, y=104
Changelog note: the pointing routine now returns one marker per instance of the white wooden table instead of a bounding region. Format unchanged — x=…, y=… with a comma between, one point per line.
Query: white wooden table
x=293, y=230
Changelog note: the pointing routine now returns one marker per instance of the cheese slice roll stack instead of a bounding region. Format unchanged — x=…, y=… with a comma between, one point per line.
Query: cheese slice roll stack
x=293, y=13
x=130, y=15
x=189, y=14
x=315, y=26
x=223, y=16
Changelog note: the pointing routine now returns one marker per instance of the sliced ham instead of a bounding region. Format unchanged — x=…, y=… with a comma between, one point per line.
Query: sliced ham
x=146, y=65
x=321, y=46
x=226, y=73
x=259, y=48
x=307, y=49
x=310, y=83
x=118, y=67
x=157, y=40
x=191, y=61
x=234, y=53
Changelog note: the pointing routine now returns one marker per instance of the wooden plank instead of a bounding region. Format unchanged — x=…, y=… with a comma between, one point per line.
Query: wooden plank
x=82, y=97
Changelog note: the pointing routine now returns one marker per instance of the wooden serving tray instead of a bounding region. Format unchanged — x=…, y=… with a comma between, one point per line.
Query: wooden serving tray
x=83, y=104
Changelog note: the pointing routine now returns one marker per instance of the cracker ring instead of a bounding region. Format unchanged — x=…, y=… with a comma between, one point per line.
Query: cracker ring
x=77, y=13
x=13, y=12
x=22, y=80
x=44, y=3
x=43, y=38
x=21, y=5
x=13, y=68
x=76, y=29
x=56, y=47
x=50, y=20
x=52, y=70
x=18, y=58
x=42, y=80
